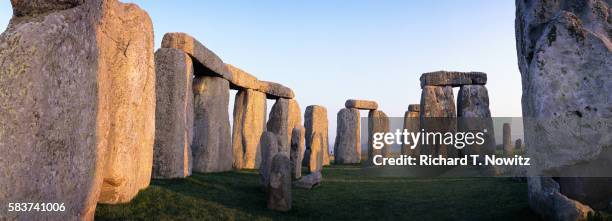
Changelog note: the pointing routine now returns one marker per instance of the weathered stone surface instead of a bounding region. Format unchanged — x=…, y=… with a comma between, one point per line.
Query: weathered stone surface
x=297, y=151
x=315, y=120
x=315, y=160
x=564, y=56
x=279, y=187
x=475, y=116
x=507, y=138
x=269, y=148
x=241, y=79
x=284, y=116
x=249, y=122
x=275, y=90
x=546, y=200
x=173, y=114
x=412, y=124
x=347, y=146
x=309, y=181
x=212, y=149
x=202, y=55
x=518, y=144
x=452, y=78
x=58, y=65
x=378, y=122
x=361, y=104
x=438, y=114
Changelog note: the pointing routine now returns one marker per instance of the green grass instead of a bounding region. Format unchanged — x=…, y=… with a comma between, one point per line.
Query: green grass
x=345, y=194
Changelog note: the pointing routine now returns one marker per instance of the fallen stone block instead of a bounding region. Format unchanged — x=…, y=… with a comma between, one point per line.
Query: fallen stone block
x=309, y=181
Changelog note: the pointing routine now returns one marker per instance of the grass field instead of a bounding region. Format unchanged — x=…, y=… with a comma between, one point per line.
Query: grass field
x=345, y=194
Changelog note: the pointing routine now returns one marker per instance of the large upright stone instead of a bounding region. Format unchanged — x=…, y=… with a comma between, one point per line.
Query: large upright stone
x=452, y=78
x=173, y=114
x=297, y=151
x=284, y=116
x=269, y=148
x=249, y=123
x=564, y=57
x=361, y=104
x=347, y=146
x=412, y=125
x=474, y=116
x=315, y=160
x=212, y=150
x=205, y=59
x=378, y=122
x=438, y=115
x=315, y=120
x=518, y=144
x=507, y=138
x=59, y=63
x=279, y=187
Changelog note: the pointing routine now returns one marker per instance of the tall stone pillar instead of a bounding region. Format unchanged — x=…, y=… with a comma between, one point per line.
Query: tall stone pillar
x=284, y=116
x=378, y=122
x=315, y=120
x=412, y=124
x=438, y=115
x=249, y=123
x=212, y=150
x=347, y=146
x=474, y=116
x=507, y=138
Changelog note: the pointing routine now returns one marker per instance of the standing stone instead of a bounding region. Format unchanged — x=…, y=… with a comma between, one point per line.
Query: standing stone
x=564, y=58
x=361, y=104
x=378, y=122
x=412, y=125
x=279, y=187
x=297, y=151
x=269, y=148
x=284, y=116
x=518, y=144
x=173, y=114
x=316, y=153
x=59, y=64
x=474, y=116
x=249, y=123
x=438, y=115
x=212, y=150
x=315, y=120
x=507, y=138
x=347, y=146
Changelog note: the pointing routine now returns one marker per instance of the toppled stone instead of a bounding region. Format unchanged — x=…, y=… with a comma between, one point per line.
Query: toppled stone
x=309, y=181
x=297, y=151
x=284, y=116
x=315, y=120
x=378, y=122
x=564, y=58
x=361, y=104
x=412, y=124
x=58, y=105
x=452, y=78
x=279, y=186
x=437, y=113
x=173, y=114
x=212, y=149
x=269, y=148
x=347, y=146
x=275, y=90
x=210, y=63
x=546, y=200
x=249, y=122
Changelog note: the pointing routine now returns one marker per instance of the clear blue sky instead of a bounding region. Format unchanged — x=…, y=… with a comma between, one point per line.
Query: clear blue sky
x=332, y=50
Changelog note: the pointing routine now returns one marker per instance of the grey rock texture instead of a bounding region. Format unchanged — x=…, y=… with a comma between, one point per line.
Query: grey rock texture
x=243, y=80
x=347, y=146
x=315, y=159
x=518, y=144
x=205, y=59
x=173, y=114
x=284, y=116
x=361, y=104
x=437, y=114
x=269, y=148
x=249, y=122
x=412, y=123
x=279, y=186
x=276, y=90
x=474, y=115
x=507, y=138
x=297, y=151
x=212, y=149
x=546, y=200
x=378, y=122
x=452, y=78
x=315, y=120
x=564, y=53
x=58, y=67
x=309, y=181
